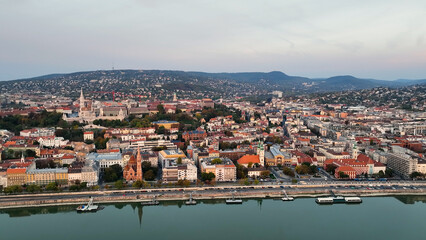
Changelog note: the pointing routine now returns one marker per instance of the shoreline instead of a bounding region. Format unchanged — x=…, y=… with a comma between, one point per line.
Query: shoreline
x=202, y=196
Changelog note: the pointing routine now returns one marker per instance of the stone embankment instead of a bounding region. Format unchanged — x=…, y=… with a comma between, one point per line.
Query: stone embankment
x=75, y=199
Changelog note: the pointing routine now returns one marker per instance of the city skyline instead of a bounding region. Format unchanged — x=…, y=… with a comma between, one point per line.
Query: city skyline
x=378, y=39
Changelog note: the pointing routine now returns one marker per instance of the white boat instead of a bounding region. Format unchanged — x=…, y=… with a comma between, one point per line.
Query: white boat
x=233, y=200
x=324, y=200
x=152, y=202
x=88, y=208
x=353, y=200
x=339, y=199
x=191, y=201
x=286, y=197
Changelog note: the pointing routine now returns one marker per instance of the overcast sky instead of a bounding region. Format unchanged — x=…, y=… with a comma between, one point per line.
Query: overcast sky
x=384, y=39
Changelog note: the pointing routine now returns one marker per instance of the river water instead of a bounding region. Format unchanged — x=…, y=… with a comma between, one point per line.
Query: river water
x=402, y=217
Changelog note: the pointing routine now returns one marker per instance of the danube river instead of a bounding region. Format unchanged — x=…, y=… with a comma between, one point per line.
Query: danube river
x=402, y=217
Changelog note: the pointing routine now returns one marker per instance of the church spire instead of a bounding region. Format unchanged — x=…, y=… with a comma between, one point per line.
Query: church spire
x=22, y=158
x=81, y=99
x=139, y=165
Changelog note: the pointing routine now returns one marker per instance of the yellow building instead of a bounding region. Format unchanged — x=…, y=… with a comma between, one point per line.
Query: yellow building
x=45, y=176
x=16, y=176
x=166, y=124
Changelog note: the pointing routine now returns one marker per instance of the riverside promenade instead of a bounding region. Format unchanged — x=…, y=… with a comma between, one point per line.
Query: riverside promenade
x=210, y=192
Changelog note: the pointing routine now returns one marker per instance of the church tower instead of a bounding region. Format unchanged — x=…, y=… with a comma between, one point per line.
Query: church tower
x=174, y=97
x=139, y=165
x=81, y=100
x=355, y=151
x=261, y=153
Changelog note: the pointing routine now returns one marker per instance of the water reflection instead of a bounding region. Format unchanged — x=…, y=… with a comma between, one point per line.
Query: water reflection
x=411, y=199
x=25, y=212
x=138, y=208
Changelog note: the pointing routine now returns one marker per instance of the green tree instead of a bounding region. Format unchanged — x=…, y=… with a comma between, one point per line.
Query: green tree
x=119, y=184
x=149, y=175
x=110, y=175
x=13, y=189
x=416, y=175
x=343, y=175
x=331, y=168
x=288, y=171
x=161, y=130
x=265, y=174
x=217, y=161
x=33, y=188
x=138, y=184
x=160, y=109
x=388, y=173
x=207, y=176
x=53, y=186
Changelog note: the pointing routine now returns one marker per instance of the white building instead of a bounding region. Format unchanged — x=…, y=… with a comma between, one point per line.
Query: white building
x=52, y=141
x=106, y=160
x=188, y=172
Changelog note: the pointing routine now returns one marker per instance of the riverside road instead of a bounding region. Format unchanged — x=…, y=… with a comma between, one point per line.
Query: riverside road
x=271, y=189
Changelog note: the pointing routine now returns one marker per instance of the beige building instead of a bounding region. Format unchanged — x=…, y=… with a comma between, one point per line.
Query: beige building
x=402, y=164
x=223, y=169
x=45, y=176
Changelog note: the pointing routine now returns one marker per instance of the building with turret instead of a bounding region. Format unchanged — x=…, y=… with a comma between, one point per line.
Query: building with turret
x=90, y=111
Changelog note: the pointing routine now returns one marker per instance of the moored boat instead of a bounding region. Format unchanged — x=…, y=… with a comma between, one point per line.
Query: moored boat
x=152, y=202
x=286, y=197
x=324, y=200
x=353, y=200
x=339, y=199
x=233, y=200
x=191, y=201
x=89, y=207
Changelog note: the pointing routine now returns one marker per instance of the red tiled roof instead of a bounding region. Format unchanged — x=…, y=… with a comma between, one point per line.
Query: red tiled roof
x=16, y=170
x=246, y=159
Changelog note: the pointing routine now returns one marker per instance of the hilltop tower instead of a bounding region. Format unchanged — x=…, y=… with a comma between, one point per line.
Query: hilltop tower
x=139, y=165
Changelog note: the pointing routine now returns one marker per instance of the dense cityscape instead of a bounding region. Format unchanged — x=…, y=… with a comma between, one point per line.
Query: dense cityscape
x=212, y=120
x=60, y=143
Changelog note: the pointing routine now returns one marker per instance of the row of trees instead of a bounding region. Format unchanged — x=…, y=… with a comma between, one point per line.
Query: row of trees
x=51, y=187
x=16, y=123
x=306, y=168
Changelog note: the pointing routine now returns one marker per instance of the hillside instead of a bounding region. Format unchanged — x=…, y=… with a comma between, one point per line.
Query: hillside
x=161, y=84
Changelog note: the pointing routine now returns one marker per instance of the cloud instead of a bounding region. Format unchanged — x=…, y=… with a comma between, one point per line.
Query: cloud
x=300, y=37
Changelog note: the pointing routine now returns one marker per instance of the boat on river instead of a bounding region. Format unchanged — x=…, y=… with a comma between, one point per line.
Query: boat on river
x=234, y=200
x=89, y=207
x=152, y=202
x=191, y=201
x=286, y=197
x=337, y=199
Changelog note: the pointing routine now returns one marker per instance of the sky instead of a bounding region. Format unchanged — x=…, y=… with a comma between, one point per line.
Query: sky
x=382, y=39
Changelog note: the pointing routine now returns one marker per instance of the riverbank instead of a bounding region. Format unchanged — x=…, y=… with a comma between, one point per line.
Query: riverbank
x=76, y=199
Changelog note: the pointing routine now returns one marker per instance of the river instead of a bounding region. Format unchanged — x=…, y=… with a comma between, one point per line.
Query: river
x=402, y=217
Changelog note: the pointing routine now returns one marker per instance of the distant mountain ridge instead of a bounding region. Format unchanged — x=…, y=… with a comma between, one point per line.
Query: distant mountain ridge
x=192, y=82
